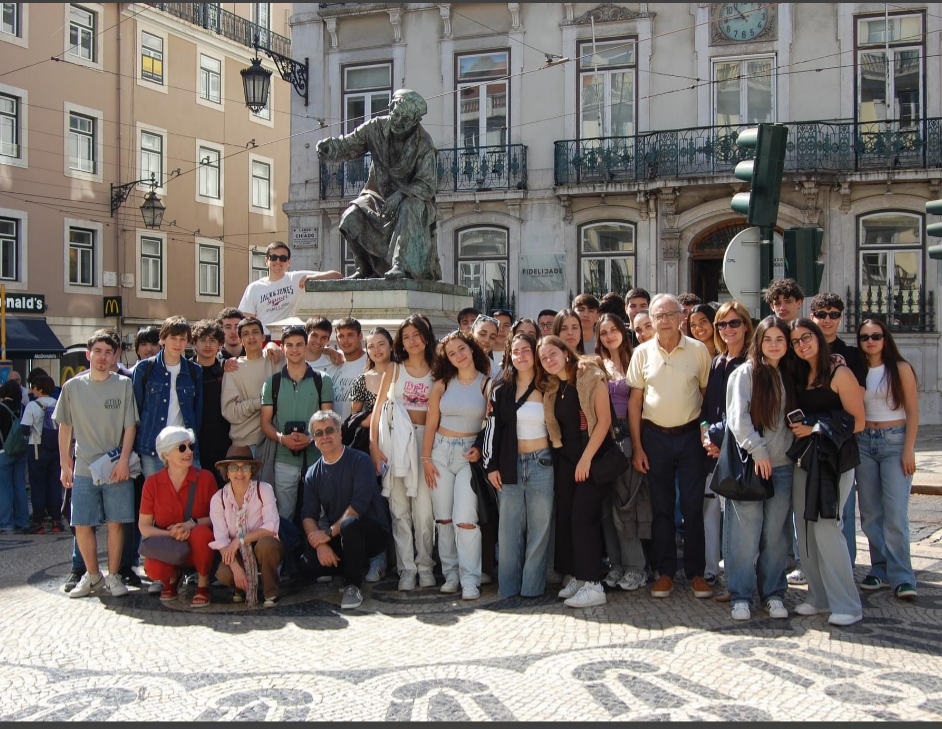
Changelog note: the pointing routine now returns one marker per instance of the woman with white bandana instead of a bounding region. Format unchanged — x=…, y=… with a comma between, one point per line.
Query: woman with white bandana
x=245, y=526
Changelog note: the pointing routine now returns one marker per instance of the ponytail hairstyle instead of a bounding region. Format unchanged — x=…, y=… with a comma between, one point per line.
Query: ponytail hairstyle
x=891, y=360
x=767, y=403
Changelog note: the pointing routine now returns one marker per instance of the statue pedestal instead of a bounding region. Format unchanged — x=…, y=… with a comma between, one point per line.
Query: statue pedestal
x=378, y=302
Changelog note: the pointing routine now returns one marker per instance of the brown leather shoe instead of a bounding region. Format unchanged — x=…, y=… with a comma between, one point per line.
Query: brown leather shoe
x=724, y=597
x=663, y=587
x=701, y=588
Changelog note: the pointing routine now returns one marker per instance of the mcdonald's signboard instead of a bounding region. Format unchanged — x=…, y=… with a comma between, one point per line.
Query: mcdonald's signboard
x=112, y=306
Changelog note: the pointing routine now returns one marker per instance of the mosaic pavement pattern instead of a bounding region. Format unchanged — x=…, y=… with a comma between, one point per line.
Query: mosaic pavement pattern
x=427, y=656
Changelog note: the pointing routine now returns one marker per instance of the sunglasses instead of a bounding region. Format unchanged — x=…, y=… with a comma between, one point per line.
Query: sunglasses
x=867, y=337
x=276, y=257
x=326, y=431
x=826, y=314
x=803, y=339
x=184, y=447
x=489, y=319
x=236, y=467
x=734, y=324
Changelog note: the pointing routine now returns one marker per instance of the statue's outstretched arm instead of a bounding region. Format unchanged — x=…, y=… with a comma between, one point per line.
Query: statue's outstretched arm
x=348, y=147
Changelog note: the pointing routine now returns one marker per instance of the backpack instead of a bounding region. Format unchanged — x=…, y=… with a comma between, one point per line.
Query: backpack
x=50, y=432
x=14, y=445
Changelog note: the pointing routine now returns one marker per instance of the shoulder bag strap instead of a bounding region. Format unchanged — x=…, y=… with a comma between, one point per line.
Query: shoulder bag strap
x=188, y=511
x=519, y=403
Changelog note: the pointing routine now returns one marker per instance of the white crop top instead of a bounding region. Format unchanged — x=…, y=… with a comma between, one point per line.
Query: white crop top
x=531, y=424
x=411, y=391
x=877, y=398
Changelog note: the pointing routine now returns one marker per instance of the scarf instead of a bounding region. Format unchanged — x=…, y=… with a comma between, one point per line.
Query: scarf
x=248, y=554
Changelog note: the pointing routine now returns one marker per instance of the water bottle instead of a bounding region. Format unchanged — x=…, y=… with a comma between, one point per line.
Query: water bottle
x=705, y=433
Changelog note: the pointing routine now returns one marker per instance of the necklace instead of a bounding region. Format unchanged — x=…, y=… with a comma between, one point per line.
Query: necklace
x=562, y=391
x=469, y=382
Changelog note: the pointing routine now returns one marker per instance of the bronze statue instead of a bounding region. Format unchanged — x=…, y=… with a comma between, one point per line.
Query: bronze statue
x=390, y=226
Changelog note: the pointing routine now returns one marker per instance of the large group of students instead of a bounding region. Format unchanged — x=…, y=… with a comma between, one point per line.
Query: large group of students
x=578, y=448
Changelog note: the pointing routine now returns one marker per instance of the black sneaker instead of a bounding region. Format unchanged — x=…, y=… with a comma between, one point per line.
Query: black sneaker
x=74, y=577
x=129, y=576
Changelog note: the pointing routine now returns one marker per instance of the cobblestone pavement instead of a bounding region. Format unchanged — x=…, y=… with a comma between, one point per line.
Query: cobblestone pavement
x=428, y=656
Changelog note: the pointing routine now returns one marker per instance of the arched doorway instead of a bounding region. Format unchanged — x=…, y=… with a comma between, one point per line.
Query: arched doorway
x=706, y=260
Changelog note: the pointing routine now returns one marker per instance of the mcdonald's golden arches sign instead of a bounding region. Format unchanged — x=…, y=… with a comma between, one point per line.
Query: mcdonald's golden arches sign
x=112, y=306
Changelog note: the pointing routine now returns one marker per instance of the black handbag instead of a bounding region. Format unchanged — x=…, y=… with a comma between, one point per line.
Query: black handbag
x=167, y=549
x=735, y=474
x=608, y=463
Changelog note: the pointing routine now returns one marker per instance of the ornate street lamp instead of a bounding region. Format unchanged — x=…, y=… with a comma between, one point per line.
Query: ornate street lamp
x=256, y=80
x=152, y=210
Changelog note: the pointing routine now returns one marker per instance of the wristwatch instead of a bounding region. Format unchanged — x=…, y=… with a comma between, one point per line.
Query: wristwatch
x=195, y=521
x=330, y=531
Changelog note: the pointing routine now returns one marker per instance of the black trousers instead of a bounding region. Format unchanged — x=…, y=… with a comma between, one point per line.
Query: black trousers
x=578, y=523
x=359, y=541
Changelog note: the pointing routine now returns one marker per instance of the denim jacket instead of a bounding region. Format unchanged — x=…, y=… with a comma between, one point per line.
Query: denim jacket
x=155, y=402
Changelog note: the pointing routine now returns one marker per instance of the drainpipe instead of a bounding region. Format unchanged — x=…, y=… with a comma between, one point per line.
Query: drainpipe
x=117, y=230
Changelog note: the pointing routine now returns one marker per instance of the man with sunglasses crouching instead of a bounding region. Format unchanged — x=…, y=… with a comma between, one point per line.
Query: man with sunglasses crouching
x=343, y=484
x=275, y=297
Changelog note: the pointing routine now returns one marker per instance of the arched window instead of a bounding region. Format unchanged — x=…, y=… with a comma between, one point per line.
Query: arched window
x=481, y=262
x=606, y=258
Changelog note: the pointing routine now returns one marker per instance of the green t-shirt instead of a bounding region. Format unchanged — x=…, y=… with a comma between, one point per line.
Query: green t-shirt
x=297, y=401
x=99, y=413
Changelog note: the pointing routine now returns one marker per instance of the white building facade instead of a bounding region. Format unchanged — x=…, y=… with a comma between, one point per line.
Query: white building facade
x=588, y=147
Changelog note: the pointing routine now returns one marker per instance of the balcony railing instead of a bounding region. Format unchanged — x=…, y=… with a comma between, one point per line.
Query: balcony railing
x=227, y=24
x=910, y=309
x=470, y=169
x=708, y=151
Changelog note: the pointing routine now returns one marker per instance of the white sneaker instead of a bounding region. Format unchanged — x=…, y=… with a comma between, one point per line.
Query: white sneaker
x=351, y=598
x=375, y=574
x=486, y=579
x=407, y=580
x=806, y=608
x=614, y=576
x=155, y=588
x=590, y=594
x=571, y=588
x=776, y=608
x=325, y=578
x=844, y=619
x=632, y=581
x=426, y=578
x=740, y=611
x=451, y=585
x=796, y=577
x=116, y=585
x=470, y=592
x=87, y=585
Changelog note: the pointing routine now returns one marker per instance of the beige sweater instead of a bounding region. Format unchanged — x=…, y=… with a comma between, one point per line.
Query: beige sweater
x=242, y=399
x=590, y=376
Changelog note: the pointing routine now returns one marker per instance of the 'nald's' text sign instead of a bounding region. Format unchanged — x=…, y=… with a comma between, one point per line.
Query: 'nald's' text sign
x=543, y=272
x=26, y=303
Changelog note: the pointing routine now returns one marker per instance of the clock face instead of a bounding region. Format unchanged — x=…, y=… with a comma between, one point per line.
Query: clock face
x=743, y=21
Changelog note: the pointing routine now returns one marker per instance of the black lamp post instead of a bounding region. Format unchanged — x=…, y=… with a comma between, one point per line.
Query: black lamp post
x=256, y=79
x=152, y=210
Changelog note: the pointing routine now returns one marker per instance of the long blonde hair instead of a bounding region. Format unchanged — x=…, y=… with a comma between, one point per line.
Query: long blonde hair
x=743, y=313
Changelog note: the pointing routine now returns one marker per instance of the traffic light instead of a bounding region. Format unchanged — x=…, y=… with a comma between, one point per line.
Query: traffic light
x=934, y=207
x=802, y=249
x=763, y=172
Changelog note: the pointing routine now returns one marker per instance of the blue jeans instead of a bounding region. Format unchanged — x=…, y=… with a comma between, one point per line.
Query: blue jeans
x=14, y=506
x=526, y=509
x=44, y=485
x=849, y=524
x=884, y=503
x=755, y=541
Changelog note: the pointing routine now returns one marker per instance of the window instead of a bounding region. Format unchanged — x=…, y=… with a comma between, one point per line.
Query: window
x=482, y=262
x=9, y=126
x=9, y=245
x=607, y=88
x=890, y=77
x=607, y=257
x=891, y=260
x=151, y=264
x=349, y=264
x=82, y=33
x=10, y=19
x=152, y=57
x=82, y=143
x=152, y=157
x=81, y=257
x=209, y=271
x=483, y=92
x=366, y=93
x=261, y=16
x=209, y=173
x=210, y=79
x=261, y=185
x=744, y=91
x=259, y=266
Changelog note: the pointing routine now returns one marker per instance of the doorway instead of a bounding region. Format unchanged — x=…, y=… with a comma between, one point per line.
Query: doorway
x=706, y=261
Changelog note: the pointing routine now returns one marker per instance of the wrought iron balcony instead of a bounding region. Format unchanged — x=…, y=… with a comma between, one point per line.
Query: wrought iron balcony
x=816, y=146
x=909, y=309
x=469, y=169
x=227, y=24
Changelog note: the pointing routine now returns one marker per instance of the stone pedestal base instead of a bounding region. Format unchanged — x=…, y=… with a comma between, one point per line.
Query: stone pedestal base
x=377, y=302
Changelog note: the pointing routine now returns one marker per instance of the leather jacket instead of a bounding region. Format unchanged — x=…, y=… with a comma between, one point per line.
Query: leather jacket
x=824, y=455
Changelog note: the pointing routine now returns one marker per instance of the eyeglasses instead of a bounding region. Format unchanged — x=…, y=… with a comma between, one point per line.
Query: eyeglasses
x=867, y=337
x=184, y=447
x=276, y=257
x=326, y=431
x=733, y=324
x=665, y=315
x=803, y=339
x=244, y=467
x=546, y=326
x=821, y=314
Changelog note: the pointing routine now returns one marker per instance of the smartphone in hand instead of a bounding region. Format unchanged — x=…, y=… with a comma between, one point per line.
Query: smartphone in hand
x=796, y=416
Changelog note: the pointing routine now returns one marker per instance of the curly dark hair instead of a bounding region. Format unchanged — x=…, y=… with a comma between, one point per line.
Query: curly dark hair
x=783, y=287
x=827, y=301
x=444, y=370
x=208, y=328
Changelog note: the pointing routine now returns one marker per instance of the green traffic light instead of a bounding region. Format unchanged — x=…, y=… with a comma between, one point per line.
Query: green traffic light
x=745, y=170
x=935, y=252
x=934, y=207
x=740, y=203
x=934, y=230
x=748, y=138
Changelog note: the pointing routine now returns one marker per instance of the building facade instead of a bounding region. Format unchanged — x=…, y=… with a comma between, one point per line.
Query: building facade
x=588, y=147
x=138, y=91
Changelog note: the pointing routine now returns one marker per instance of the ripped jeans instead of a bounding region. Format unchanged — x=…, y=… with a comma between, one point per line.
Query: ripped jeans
x=454, y=502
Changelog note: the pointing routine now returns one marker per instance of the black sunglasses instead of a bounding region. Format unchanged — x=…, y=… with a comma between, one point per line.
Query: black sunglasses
x=276, y=257
x=826, y=314
x=184, y=447
x=867, y=337
x=734, y=324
